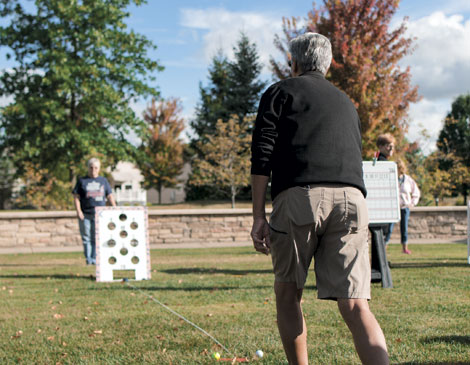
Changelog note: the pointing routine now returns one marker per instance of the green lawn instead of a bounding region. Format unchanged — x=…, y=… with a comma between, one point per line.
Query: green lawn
x=53, y=312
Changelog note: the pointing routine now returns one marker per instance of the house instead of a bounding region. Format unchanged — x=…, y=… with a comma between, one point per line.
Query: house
x=127, y=183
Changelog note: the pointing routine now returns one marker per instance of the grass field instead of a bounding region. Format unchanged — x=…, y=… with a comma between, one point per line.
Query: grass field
x=54, y=312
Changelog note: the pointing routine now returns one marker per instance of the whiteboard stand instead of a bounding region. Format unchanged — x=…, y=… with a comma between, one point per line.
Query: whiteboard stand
x=381, y=181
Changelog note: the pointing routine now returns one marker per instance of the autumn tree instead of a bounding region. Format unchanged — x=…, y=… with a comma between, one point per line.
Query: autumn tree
x=226, y=161
x=366, y=53
x=161, y=159
x=433, y=182
x=454, y=140
x=42, y=190
x=77, y=68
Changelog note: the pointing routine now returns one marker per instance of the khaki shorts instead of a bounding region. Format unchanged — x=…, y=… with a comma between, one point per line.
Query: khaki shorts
x=330, y=224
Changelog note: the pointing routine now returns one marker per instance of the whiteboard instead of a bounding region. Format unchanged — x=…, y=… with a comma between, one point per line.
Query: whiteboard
x=381, y=180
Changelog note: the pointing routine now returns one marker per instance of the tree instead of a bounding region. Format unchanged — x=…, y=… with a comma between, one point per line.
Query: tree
x=454, y=142
x=244, y=84
x=7, y=178
x=162, y=149
x=213, y=104
x=225, y=160
x=365, y=61
x=42, y=190
x=433, y=182
x=77, y=69
x=234, y=89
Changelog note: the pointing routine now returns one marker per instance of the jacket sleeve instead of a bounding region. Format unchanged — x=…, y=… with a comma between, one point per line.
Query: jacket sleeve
x=266, y=131
x=415, y=193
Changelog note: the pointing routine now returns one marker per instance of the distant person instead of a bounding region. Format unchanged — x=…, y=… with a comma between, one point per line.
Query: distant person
x=386, y=146
x=307, y=138
x=409, y=197
x=90, y=191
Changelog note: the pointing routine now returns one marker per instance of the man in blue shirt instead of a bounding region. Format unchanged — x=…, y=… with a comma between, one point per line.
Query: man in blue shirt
x=90, y=191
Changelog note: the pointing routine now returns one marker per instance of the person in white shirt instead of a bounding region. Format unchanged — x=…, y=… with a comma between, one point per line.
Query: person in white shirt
x=409, y=197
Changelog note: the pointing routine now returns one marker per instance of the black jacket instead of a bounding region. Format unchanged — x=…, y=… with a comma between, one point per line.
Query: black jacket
x=307, y=131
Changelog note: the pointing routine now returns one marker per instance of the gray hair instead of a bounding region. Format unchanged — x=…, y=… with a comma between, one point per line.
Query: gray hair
x=311, y=51
x=93, y=160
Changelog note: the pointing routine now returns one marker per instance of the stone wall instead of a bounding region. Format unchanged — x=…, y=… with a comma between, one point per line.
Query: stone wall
x=47, y=230
x=435, y=223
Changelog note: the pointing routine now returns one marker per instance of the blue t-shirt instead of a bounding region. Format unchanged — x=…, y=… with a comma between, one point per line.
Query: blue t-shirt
x=92, y=192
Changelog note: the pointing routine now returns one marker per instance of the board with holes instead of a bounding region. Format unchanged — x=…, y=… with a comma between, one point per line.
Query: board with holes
x=122, y=244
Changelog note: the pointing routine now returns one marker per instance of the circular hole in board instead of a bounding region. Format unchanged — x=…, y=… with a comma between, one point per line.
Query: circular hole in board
x=111, y=243
x=122, y=217
x=134, y=225
x=135, y=260
x=134, y=242
x=112, y=260
x=123, y=234
x=123, y=251
x=111, y=226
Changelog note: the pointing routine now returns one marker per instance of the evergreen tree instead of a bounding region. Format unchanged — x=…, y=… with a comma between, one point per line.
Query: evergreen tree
x=244, y=84
x=365, y=61
x=161, y=161
x=77, y=69
x=213, y=103
x=454, y=141
x=232, y=95
x=234, y=89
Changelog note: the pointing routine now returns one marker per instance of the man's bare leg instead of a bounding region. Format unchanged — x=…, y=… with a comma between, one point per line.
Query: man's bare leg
x=367, y=334
x=291, y=323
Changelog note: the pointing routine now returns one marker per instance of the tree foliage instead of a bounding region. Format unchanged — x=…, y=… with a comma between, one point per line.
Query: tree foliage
x=226, y=160
x=233, y=92
x=244, y=84
x=7, y=178
x=365, y=61
x=234, y=89
x=162, y=160
x=454, y=143
x=77, y=68
x=42, y=190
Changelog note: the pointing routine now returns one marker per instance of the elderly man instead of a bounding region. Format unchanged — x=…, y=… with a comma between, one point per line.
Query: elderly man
x=307, y=138
x=90, y=191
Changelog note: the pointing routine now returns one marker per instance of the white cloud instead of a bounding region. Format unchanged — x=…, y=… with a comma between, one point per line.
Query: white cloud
x=440, y=65
x=427, y=115
x=222, y=30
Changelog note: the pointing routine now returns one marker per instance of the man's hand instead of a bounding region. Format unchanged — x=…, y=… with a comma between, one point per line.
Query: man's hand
x=260, y=235
x=81, y=216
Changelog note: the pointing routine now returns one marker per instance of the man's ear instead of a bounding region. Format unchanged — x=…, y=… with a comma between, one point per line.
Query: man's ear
x=295, y=68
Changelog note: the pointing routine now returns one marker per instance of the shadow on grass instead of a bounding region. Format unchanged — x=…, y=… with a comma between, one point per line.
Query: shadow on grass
x=209, y=270
x=434, y=363
x=182, y=288
x=53, y=276
x=464, y=340
x=417, y=265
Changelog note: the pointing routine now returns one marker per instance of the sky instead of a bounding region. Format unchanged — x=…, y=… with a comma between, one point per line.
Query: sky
x=188, y=33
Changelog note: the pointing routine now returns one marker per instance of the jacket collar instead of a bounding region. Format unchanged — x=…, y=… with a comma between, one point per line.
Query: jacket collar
x=314, y=73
